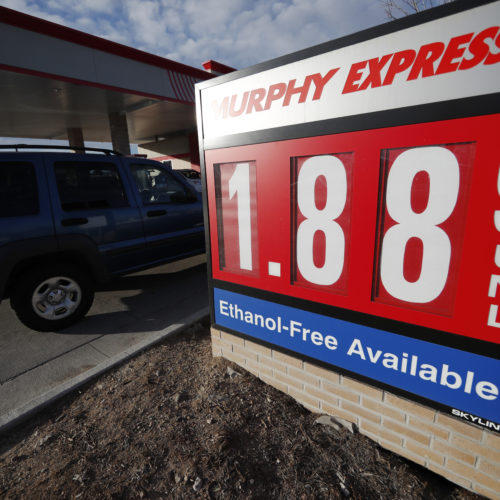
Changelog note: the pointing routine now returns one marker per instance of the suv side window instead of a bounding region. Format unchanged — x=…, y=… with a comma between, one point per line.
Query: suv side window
x=157, y=185
x=18, y=189
x=84, y=186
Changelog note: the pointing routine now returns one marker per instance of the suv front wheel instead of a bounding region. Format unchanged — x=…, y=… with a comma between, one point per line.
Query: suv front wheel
x=51, y=298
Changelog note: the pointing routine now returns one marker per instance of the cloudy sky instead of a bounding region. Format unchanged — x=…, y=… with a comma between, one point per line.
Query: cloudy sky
x=238, y=33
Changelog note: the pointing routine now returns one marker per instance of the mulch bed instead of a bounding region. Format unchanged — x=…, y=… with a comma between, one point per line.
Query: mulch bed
x=174, y=423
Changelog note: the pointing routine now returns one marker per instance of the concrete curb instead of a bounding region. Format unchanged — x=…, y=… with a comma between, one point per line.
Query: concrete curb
x=17, y=415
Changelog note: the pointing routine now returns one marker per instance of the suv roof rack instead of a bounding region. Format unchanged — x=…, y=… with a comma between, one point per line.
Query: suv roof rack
x=17, y=147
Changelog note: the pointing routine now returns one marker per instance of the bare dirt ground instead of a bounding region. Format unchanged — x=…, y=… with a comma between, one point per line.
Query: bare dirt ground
x=172, y=423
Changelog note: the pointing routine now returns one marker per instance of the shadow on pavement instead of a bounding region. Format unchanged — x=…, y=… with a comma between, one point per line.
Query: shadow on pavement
x=149, y=302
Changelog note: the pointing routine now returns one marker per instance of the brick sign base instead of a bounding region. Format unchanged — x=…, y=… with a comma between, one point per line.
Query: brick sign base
x=463, y=453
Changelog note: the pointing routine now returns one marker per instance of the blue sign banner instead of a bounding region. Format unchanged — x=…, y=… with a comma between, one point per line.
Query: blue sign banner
x=464, y=381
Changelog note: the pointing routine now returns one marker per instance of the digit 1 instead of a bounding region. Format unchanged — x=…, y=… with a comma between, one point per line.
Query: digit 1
x=442, y=167
x=239, y=184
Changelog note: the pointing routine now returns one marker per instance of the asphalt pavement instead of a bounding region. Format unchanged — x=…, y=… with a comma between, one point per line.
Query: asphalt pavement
x=129, y=314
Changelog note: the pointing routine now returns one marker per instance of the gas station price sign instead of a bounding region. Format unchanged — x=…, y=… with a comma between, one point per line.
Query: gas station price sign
x=353, y=206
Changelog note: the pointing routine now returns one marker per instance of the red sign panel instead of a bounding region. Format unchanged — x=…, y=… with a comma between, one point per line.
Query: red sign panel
x=397, y=222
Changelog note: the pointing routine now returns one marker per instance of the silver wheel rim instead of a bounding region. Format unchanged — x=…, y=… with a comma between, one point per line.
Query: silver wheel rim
x=56, y=298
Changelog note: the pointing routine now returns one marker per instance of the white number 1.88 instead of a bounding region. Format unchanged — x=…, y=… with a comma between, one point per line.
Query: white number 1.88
x=405, y=223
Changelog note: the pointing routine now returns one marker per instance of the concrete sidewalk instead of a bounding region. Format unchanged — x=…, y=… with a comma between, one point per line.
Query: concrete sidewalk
x=37, y=368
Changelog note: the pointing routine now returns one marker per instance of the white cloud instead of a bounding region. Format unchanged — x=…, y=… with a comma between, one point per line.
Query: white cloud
x=15, y=4
x=260, y=30
x=80, y=6
x=256, y=31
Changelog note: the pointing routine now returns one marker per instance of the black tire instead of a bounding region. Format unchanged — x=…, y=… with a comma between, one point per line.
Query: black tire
x=52, y=297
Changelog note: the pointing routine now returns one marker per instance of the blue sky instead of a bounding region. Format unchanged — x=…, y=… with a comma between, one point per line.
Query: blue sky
x=235, y=32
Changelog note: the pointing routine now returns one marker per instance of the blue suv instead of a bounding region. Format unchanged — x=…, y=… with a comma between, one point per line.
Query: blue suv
x=70, y=220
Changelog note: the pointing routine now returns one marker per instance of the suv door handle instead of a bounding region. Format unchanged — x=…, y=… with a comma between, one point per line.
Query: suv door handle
x=76, y=221
x=156, y=213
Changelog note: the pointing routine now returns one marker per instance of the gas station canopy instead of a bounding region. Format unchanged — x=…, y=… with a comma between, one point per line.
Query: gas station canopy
x=59, y=83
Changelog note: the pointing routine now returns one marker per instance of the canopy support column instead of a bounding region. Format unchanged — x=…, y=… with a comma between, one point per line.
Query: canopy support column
x=119, y=132
x=75, y=137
